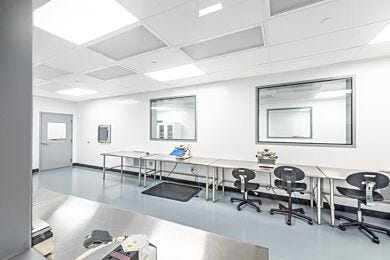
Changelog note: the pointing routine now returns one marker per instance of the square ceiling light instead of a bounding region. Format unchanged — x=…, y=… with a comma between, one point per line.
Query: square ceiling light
x=180, y=72
x=80, y=21
x=282, y=6
x=242, y=40
x=47, y=73
x=382, y=36
x=76, y=92
x=210, y=9
x=111, y=72
x=128, y=44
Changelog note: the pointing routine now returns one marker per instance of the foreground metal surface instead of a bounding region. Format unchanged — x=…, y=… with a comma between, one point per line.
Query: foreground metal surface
x=71, y=218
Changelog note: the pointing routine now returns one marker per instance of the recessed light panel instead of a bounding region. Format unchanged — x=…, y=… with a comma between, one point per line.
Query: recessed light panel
x=80, y=21
x=128, y=44
x=382, y=36
x=281, y=6
x=77, y=92
x=46, y=72
x=111, y=72
x=243, y=40
x=210, y=9
x=181, y=72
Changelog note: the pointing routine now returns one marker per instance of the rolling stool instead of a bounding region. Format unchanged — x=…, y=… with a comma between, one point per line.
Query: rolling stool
x=368, y=183
x=243, y=176
x=287, y=180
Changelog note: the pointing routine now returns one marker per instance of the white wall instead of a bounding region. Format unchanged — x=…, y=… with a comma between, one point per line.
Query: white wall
x=226, y=120
x=43, y=104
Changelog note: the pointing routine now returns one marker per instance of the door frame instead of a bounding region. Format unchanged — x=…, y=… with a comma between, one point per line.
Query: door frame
x=40, y=134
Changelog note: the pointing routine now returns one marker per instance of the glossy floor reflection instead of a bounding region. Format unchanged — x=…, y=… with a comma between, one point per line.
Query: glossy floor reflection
x=299, y=241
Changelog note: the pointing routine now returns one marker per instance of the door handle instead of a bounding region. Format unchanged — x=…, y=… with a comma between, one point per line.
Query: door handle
x=44, y=143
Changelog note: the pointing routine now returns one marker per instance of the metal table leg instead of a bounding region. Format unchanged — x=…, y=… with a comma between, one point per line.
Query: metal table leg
x=104, y=167
x=319, y=204
x=161, y=170
x=144, y=173
x=121, y=168
x=207, y=182
x=332, y=207
x=311, y=192
x=155, y=170
x=223, y=181
x=213, y=180
x=139, y=173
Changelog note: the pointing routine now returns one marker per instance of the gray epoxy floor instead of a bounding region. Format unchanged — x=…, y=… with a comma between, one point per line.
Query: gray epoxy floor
x=299, y=241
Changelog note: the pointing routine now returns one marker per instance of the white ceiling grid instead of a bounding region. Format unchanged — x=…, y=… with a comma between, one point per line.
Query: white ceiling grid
x=316, y=33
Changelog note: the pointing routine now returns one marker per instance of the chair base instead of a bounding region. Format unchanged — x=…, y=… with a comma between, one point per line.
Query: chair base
x=363, y=227
x=290, y=212
x=245, y=201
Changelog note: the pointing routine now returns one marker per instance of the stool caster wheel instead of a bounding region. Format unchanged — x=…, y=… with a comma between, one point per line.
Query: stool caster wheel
x=302, y=211
x=280, y=206
x=375, y=240
x=260, y=202
x=231, y=200
x=337, y=217
x=310, y=222
x=258, y=210
x=238, y=209
x=289, y=222
x=342, y=227
x=388, y=233
x=271, y=212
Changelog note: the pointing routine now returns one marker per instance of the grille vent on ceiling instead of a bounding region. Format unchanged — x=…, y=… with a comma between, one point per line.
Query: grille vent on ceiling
x=111, y=72
x=128, y=44
x=282, y=6
x=238, y=41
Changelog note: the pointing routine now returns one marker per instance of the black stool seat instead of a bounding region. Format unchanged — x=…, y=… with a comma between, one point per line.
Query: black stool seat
x=250, y=186
x=296, y=186
x=359, y=194
x=243, y=176
x=287, y=180
x=367, y=184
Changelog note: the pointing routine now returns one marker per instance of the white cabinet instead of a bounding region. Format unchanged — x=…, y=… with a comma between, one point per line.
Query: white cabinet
x=169, y=130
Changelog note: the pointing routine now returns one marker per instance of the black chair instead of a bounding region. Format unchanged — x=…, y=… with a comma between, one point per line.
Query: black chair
x=243, y=176
x=368, y=183
x=287, y=180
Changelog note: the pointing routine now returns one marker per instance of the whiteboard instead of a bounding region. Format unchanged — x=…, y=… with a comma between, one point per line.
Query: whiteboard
x=290, y=122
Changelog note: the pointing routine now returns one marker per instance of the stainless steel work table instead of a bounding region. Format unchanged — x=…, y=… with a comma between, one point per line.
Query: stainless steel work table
x=196, y=161
x=72, y=218
x=310, y=171
x=126, y=154
x=337, y=174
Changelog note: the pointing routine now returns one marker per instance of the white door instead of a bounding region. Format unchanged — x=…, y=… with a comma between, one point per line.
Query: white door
x=56, y=141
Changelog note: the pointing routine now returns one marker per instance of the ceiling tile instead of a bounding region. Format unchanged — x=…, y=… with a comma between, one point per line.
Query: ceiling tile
x=46, y=72
x=325, y=43
x=157, y=60
x=46, y=45
x=145, y=8
x=78, y=80
x=79, y=60
x=234, y=61
x=182, y=25
x=129, y=43
x=138, y=82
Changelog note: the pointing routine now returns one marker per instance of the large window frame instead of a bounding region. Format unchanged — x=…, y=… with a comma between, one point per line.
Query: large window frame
x=173, y=139
x=350, y=80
